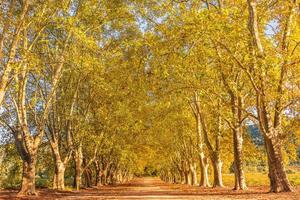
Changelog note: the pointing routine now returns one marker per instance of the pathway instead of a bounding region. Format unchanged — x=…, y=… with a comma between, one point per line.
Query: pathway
x=153, y=188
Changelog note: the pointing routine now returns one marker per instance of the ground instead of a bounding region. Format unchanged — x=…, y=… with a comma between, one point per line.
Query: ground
x=154, y=188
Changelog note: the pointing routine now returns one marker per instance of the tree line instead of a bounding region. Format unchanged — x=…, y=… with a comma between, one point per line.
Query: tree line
x=97, y=85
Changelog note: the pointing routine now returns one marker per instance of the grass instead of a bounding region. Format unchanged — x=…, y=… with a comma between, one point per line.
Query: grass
x=259, y=179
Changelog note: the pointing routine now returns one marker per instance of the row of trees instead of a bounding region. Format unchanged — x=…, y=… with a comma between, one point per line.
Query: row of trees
x=106, y=87
x=236, y=64
x=60, y=94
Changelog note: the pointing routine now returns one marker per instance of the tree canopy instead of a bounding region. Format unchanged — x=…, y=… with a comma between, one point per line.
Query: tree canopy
x=95, y=92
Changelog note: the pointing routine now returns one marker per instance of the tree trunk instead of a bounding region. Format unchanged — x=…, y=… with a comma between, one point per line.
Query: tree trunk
x=78, y=172
x=214, y=155
x=125, y=176
x=88, y=177
x=99, y=178
x=77, y=175
x=28, y=177
x=194, y=180
x=59, y=176
x=190, y=178
x=174, y=181
x=119, y=177
x=99, y=173
x=186, y=177
x=59, y=173
x=240, y=183
x=182, y=177
x=217, y=168
x=112, y=178
x=104, y=177
x=278, y=178
x=87, y=172
x=277, y=175
x=204, y=180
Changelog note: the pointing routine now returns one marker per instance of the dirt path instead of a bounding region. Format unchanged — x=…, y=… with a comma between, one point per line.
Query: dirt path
x=153, y=188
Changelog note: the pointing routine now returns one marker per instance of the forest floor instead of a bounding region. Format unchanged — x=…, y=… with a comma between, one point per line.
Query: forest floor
x=154, y=188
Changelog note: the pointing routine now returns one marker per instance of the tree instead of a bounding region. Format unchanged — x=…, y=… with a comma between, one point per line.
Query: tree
x=271, y=127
